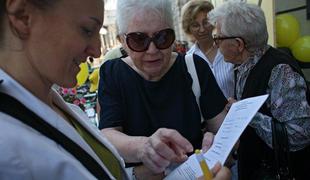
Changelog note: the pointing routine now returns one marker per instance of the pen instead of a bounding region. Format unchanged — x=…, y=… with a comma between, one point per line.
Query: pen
x=203, y=165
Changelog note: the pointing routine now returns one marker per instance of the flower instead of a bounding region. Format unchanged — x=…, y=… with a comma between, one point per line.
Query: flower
x=82, y=100
x=76, y=102
x=71, y=95
x=65, y=91
x=73, y=91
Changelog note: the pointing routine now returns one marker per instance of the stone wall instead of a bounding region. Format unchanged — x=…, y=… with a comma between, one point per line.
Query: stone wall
x=177, y=6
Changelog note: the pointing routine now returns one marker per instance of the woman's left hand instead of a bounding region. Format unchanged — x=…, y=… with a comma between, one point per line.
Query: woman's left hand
x=229, y=103
x=219, y=173
x=207, y=141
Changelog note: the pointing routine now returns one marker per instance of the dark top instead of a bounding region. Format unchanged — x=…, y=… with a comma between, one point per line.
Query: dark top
x=140, y=107
x=250, y=159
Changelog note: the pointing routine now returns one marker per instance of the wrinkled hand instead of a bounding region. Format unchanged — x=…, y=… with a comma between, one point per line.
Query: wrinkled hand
x=207, y=141
x=162, y=148
x=229, y=103
x=219, y=173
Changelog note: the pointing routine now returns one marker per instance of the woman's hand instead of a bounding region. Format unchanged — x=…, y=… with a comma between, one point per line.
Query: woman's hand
x=207, y=141
x=219, y=173
x=162, y=148
x=229, y=103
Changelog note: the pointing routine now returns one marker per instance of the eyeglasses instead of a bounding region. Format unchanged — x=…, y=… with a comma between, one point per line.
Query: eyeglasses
x=217, y=38
x=139, y=42
x=196, y=26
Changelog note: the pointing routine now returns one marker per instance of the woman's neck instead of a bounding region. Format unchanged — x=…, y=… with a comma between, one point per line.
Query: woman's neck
x=22, y=72
x=205, y=46
x=209, y=50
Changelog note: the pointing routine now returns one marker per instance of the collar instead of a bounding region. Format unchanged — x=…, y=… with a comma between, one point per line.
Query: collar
x=252, y=60
x=193, y=49
x=196, y=50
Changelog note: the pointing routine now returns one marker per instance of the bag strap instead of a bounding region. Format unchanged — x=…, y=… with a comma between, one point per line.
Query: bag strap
x=189, y=60
x=26, y=116
x=281, y=150
x=123, y=52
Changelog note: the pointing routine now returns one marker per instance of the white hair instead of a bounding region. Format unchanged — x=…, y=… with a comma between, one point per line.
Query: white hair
x=243, y=20
x=127, y=9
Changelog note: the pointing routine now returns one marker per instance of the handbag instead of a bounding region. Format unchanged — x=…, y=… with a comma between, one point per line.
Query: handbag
x=280, y=168
x=281, y=150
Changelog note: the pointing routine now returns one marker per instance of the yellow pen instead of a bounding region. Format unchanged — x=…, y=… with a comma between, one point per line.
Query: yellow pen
x=203, y=165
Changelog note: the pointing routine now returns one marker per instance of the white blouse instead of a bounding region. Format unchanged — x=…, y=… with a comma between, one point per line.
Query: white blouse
x=222, y=70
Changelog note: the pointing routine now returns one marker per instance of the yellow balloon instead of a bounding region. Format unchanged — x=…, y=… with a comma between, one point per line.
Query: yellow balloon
x=94, y=80
x=301, y=49
x=287, y=30
x=82, y=75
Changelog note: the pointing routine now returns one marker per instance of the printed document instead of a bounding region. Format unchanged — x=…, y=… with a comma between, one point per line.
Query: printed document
x=238, y=117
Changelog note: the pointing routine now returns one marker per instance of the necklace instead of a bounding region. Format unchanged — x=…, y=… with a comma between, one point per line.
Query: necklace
x=209, y=50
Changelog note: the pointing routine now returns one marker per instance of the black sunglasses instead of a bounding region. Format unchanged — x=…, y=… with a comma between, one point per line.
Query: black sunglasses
x=139, y=42
x=217, y=39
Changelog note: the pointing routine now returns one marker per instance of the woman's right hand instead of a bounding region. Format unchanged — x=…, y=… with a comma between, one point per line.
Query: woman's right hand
x=219, y=173
x=162, y=148
x=230, y=101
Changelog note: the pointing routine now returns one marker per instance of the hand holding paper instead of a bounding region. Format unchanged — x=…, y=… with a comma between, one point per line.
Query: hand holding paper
x=203, y=165
x=235, y=122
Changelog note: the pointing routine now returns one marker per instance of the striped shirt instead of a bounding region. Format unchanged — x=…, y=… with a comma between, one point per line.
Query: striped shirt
x=222, y=71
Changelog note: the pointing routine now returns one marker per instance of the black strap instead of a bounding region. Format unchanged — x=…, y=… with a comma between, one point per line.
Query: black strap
x=123, y=52
x=281, y=150
x=14, y=108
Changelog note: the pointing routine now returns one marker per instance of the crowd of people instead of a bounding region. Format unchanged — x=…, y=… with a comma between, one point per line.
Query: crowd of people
x=150, y=118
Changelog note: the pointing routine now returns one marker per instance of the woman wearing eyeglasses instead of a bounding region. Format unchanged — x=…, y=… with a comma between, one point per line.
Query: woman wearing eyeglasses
x=196, y=25
x=241, y=35
x=148, y=109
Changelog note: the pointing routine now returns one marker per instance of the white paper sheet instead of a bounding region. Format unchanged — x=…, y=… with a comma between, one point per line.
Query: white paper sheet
x=235, y=122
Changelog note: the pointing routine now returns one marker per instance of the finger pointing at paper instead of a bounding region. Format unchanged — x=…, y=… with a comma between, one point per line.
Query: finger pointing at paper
x=163, y=147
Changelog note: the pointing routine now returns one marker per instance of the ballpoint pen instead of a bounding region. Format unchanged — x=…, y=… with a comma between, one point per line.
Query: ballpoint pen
x=203, y=165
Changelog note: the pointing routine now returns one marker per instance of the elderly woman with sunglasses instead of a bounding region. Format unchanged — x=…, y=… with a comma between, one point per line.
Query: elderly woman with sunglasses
x=148, y=109
x=241, y=35
x=196, y=25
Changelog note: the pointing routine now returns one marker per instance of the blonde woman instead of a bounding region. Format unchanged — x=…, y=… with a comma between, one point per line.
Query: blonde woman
x=196, y=25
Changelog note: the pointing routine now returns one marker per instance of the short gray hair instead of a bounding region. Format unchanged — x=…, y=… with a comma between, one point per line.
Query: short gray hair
x=244, y=20
x=126, y=10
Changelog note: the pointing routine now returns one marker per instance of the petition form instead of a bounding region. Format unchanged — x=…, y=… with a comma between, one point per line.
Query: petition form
x=238, y=117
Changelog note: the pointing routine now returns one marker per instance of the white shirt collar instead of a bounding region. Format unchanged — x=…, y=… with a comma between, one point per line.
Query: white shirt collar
x=196, y=50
